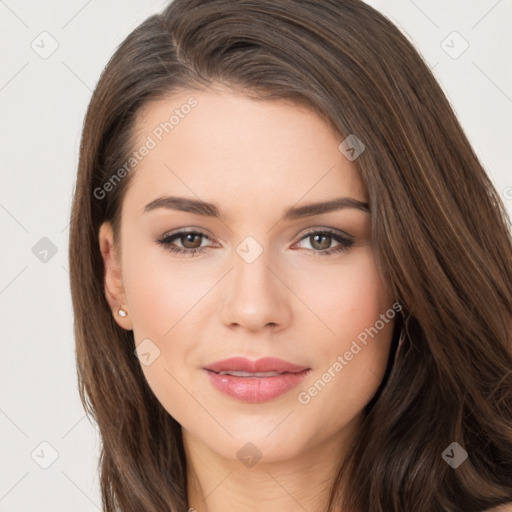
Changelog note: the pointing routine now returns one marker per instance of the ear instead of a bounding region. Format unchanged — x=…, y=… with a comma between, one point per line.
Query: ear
x=113, y=280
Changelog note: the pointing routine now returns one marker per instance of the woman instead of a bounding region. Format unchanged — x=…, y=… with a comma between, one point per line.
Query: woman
x=291, y=276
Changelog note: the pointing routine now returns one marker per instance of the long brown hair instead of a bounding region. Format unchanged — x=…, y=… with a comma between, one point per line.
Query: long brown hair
x=440, y=230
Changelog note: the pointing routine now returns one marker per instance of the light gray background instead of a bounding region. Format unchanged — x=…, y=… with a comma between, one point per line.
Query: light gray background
x=43, y=102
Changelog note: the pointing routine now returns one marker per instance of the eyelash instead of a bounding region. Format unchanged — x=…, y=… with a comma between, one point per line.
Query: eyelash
x=345, y=243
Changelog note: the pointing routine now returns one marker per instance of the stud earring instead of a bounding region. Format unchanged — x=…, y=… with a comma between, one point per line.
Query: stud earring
x=122, y=312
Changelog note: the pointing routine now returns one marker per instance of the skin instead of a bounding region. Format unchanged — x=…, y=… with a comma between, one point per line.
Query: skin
x=253, y=159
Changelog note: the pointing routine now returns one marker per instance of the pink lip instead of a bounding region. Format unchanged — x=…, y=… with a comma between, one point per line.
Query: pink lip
x=256, y=389
x=266, y=364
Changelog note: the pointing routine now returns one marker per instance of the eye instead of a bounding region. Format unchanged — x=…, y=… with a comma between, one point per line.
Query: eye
x=322, y=239
x=191, y=241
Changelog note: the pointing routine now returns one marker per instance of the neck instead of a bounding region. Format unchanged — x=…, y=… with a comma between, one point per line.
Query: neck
x=303, y=482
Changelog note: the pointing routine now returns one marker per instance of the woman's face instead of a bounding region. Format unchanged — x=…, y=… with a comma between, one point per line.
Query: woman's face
x=274, y=279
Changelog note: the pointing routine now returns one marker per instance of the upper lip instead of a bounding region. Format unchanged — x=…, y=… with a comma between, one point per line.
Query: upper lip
x=266, y=364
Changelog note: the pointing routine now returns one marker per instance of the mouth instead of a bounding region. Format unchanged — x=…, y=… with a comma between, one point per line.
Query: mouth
x=255, y=387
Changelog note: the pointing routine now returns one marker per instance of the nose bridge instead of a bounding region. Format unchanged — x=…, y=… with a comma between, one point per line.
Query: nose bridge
x=256, y=297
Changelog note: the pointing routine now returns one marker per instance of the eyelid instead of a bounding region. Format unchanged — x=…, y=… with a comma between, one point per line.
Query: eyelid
x=183, y=231
x=320, y=229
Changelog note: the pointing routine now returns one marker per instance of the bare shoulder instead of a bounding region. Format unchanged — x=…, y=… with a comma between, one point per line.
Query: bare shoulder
x=502, y=508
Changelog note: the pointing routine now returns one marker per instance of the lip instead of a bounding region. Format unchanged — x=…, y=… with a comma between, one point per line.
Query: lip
x=265, y=364
x=256, y=389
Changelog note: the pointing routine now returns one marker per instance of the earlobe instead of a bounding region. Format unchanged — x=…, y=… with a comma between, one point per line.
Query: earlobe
x=112, y=276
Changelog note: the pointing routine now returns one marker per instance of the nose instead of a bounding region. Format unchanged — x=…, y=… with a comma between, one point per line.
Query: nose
x=255, y=296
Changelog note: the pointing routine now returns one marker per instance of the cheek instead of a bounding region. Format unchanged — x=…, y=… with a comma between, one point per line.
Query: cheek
x=348, y=299
x=166, y=308
x=160, y=305
x=352, y=355
x=159, y=294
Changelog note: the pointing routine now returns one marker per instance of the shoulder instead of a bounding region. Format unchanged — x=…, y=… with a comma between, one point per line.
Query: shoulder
x=502, y=508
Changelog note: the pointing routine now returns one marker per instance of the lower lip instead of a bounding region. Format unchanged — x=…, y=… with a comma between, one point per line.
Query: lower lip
x=256, y=389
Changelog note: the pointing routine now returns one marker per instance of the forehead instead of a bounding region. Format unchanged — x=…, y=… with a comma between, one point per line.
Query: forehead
x=225, y=147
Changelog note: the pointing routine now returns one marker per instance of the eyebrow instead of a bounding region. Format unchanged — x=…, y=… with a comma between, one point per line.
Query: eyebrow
x=204, y=208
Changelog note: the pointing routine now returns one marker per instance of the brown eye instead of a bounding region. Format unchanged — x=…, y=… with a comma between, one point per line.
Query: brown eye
x=189, y=242
x=321, y=241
